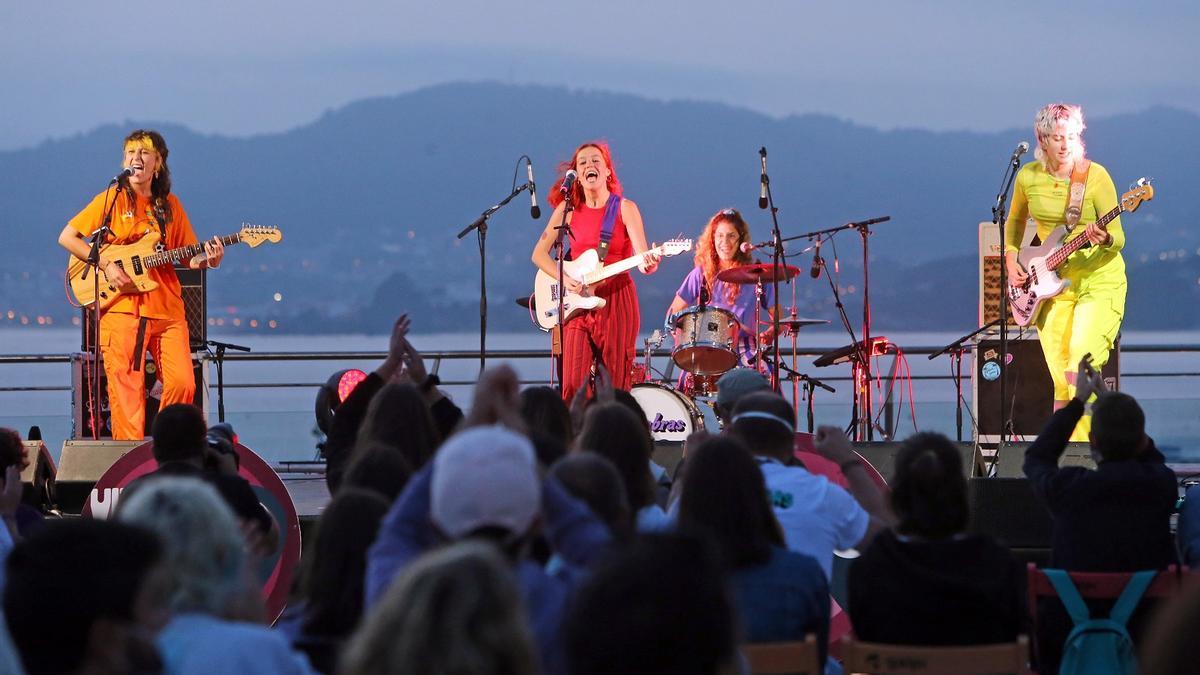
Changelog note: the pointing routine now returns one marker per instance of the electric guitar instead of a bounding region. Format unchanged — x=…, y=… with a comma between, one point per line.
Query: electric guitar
x=588, y=270
x=138, y=258
x=1041, y=261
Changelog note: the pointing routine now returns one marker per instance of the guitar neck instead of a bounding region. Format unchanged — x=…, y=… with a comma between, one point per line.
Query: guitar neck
x=618, y=267
x=1060, y=256
x=185, y=252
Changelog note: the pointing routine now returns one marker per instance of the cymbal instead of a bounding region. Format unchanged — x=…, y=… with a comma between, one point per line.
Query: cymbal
x=751, y=274
x=794, y=323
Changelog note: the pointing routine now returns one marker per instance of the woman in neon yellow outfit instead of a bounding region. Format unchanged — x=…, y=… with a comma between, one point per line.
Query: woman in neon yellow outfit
x=1086, y=316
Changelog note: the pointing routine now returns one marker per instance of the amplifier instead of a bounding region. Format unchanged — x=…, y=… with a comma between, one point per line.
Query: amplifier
x=1028, y=386
x=81, y=401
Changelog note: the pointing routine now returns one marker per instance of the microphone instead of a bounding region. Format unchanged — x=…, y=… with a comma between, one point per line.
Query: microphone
x=746, y=247
x=534, y=211
x=762, y=195
x=127, y=171
x=568, y=182
x=817, y=263
x=1022, y=148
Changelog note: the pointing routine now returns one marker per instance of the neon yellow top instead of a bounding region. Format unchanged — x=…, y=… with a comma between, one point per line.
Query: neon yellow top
x=1042, y=196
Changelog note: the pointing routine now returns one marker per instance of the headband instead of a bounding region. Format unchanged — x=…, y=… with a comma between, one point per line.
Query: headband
x=758, y=414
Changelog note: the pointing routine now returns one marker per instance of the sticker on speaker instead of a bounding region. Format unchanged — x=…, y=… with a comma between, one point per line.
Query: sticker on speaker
x=990, y=371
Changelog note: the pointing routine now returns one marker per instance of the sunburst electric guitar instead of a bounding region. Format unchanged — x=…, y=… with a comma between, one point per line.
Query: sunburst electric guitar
x=138, y=258
x=587, y=270
x=1041, y=261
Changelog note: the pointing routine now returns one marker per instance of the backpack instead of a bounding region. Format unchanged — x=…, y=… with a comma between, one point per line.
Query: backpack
x=1098, y=646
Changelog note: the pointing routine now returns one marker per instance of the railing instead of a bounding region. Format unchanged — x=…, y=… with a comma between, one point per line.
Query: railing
x=286, y=419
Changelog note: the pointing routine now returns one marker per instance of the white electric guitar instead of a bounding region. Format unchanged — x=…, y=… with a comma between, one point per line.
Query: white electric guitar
x=1041, y=261
x=587, y=270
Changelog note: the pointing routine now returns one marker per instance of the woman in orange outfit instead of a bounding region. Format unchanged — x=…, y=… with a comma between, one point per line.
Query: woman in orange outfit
x=154, y=320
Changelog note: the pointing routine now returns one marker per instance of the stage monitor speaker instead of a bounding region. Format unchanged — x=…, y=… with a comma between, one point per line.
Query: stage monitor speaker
x=81, y=464
x=882, y=456
x=38, y=477
x=1007, y=509
x=81, y=422
x=1028, y=386
x=1010, y=458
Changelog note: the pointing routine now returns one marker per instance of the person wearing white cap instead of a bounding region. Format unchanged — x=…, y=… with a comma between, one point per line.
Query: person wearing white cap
x=483, y=483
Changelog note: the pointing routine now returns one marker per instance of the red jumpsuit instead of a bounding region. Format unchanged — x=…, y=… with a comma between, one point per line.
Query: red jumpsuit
x=611, y=331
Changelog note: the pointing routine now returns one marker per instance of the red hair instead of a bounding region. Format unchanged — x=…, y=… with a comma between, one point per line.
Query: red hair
x=614, y=184
x=706, y=251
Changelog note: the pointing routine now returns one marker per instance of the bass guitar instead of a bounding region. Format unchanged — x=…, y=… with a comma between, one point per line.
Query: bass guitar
x=1025, y=300
x=587, y=270
x=138, y=258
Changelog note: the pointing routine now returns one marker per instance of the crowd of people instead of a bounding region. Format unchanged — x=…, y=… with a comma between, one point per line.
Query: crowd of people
x=534, y=533
x=525, y=536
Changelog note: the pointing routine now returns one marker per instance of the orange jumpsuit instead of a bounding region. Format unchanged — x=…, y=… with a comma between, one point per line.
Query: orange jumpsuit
x=166, y=333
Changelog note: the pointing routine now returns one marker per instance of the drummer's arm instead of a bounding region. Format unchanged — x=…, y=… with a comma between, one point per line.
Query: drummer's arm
x=637, y=236
x=677, y=305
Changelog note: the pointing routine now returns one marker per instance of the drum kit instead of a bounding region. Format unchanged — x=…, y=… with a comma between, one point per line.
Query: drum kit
x=706, y=347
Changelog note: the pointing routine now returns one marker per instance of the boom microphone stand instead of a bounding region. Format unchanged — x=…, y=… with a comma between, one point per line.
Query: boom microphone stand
x=777, y=257
x=480, y=225
x=956, y=350
x=219, y=357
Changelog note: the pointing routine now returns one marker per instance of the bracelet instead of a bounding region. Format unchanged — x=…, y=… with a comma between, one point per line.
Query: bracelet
x=430, y=382
x=849, y=464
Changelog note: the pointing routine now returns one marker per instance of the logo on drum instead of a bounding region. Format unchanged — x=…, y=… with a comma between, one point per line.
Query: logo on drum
x=660, y=425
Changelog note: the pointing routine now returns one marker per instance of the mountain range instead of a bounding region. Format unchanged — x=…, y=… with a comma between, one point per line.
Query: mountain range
x=370, y=197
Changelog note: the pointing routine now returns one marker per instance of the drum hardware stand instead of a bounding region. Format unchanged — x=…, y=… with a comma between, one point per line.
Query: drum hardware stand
x=956, y=349
x=480, y=225
x=653, y=342
x=219, y=357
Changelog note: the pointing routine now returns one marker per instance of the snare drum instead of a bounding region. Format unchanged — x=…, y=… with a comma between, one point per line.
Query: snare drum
x=705, y=340
x=671, y=415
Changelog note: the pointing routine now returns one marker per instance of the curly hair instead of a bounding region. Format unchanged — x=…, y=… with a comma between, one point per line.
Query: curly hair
x=706, y=251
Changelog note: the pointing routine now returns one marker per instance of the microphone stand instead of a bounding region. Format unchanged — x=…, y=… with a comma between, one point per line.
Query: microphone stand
x=810, y=385
x=219, y=357
x=480, y=225
x=777, y=257
x=863, y=430
x=999, y=218
x=956, y=350
x=93, y=262
x=560, y=246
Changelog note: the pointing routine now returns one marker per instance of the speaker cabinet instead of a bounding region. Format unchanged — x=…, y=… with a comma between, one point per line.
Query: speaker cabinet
x=882, y=456
x=38, y=477
x=81, y=464
x=1007, y=509
x=1010, y=458
x=1028, y=386
x=193, y=285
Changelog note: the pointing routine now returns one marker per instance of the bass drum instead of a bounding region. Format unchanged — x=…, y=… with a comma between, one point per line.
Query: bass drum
x=672, y=416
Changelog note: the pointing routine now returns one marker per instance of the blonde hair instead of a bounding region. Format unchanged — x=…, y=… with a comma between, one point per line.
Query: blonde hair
x=454, y=610
x=1056, y=115
x=204, y=549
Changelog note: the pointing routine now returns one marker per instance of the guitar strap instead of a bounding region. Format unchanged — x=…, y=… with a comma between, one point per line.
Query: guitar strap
x=1079, y=174
x=611, y=209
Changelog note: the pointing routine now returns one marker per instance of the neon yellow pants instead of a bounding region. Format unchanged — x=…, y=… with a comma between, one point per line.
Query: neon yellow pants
x=1078, y=323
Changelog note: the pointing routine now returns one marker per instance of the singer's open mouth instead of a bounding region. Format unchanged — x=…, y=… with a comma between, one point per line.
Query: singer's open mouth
x=591, y=173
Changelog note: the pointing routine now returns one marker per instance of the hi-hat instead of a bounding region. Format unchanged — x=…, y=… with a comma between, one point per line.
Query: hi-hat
x=752, y=274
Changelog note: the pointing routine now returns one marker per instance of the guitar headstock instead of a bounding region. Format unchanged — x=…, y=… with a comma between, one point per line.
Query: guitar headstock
x=253, y=235
x=676, y=246
x=1142, y=191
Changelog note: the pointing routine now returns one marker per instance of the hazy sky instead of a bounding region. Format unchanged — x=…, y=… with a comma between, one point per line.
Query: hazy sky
x=247, y=66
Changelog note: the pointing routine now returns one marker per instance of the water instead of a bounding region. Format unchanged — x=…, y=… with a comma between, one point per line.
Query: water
x=278, y=423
